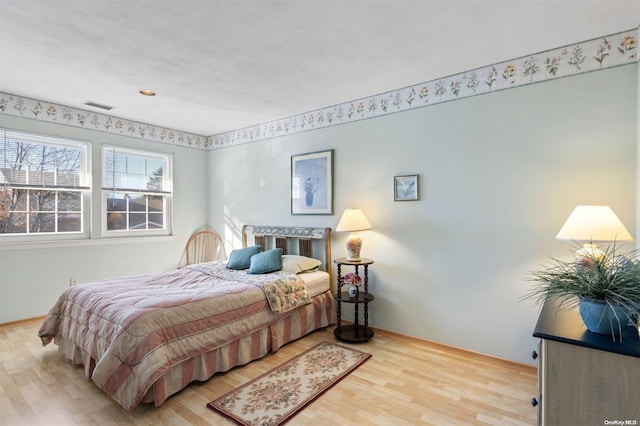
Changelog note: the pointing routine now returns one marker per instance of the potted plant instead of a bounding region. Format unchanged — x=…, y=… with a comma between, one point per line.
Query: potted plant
x=604, y=285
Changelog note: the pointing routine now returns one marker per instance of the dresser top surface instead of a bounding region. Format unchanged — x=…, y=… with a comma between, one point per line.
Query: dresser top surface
x=566, y=325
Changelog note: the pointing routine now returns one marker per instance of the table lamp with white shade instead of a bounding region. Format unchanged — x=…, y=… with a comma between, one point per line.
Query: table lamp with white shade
x=588, y=223
x=353, y=220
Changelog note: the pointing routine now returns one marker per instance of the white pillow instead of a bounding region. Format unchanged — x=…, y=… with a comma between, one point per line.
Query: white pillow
x=297, y=264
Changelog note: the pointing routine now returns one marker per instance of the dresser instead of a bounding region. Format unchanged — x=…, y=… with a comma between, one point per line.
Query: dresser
x=585, y=378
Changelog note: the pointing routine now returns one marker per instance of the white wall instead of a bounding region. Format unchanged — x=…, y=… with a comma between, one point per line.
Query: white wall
x=32, y=279
x=499, y=175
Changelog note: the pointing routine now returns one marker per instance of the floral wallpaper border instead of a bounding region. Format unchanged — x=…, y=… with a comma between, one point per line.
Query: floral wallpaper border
x=46, y=111
x=605, y=52
x=592, y=55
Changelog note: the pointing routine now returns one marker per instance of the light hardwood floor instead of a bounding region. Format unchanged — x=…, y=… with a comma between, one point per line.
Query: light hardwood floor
x=406, y=382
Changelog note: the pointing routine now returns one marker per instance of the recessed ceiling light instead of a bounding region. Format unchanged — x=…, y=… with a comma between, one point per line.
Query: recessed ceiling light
x=147, y=92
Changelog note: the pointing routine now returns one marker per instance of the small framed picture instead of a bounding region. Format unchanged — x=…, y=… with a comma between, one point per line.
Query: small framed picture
x=405, y=188
x=312, y=183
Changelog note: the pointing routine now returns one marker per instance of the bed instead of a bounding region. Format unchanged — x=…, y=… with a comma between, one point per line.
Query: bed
x=143, y=338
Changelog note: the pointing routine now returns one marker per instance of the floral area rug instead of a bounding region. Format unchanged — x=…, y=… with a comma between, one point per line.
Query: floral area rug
x=279, y=394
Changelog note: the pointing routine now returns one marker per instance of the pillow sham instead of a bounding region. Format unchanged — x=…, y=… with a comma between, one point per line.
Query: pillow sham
x=268, y=261
x=297, y=264
x=241, y=258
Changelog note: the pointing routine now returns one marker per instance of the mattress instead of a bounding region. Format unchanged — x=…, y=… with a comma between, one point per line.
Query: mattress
x=317, y=282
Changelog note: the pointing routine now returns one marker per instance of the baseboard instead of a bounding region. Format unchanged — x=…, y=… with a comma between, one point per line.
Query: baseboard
x=21, y=322
x=478, y=355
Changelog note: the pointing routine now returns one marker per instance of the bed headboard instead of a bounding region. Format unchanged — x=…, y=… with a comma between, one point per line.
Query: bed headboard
x=310, y=242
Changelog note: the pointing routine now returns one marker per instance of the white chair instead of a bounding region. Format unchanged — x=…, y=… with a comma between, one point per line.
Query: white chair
x=204, y=246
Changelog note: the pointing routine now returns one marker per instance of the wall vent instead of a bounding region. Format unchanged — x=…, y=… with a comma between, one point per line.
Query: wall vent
x=97, y=105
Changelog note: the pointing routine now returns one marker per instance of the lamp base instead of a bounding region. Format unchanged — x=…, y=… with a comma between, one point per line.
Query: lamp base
x=589, y=251
x=354, y=243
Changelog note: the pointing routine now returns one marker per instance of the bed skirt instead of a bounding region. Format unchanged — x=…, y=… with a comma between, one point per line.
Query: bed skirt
x=318, y=314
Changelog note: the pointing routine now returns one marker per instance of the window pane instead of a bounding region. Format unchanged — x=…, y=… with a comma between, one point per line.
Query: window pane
x=42, y=222
x=42, y=200
x=35, y=177
x=133, y=171
x=46, y=162
x=136, y=165
x=70, y=222
x=70, y=201
x=155, y=166
x=116, y=202
x=67, y=159
x=136, y=182
x=156, y=221
x=156, y=203
x=16, y=223
x=155, y=182
x=119, y=180
x=34, y=154
x=107, y=181
x=15, y=175
x=5, y=202
x=116, y=221
x=119, y=163
x=155, y=171
x=109, y=162
x=49, y=177
x=137, y=221
x=137, y=203
x=13, y=151
x=67, y=177
x=18, y=200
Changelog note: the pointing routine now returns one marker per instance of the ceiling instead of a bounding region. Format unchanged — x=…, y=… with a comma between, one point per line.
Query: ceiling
x=221, y=65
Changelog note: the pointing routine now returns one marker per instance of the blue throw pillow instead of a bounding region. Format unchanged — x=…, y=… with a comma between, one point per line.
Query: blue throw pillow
x=269, y=261
x=241, y=258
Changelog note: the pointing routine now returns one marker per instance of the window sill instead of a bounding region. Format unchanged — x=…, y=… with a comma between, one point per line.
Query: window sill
x=31, y=245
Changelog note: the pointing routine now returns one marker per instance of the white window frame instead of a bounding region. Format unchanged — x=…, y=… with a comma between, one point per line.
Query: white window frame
x=166, y=192
x=83, y=186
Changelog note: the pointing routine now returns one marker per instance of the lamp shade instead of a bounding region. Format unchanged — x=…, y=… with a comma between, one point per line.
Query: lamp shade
x=353, y=220
x=593, y=223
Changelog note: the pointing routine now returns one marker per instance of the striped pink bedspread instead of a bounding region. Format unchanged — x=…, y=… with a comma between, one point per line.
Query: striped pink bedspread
x=129, y=331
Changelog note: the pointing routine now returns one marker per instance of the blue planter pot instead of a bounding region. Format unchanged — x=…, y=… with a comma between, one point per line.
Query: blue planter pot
x=601, y=318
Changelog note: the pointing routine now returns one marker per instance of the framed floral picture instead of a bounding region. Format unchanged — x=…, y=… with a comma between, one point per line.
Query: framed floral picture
x=312, y=183
x=405, y=188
